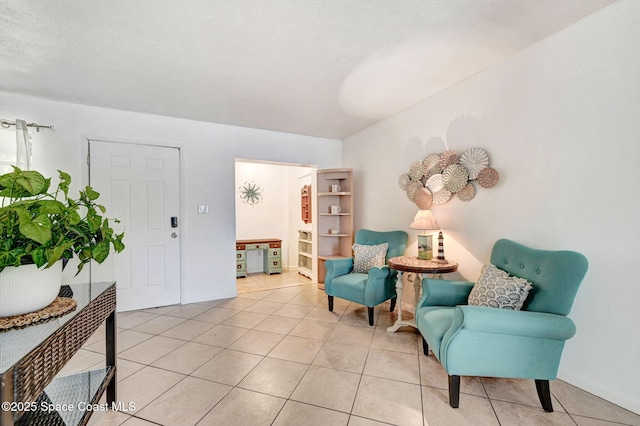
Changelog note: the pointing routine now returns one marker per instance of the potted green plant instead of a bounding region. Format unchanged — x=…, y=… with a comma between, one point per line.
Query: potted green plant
x=40, y=230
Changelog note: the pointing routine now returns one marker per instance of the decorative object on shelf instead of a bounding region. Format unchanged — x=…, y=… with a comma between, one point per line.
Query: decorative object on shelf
x=39, y=231
x=448, y=174
x=424, y=220
x=305, y=203
x=250, y=193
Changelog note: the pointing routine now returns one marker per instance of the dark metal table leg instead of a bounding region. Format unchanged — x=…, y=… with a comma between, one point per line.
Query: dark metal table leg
x=111, y=343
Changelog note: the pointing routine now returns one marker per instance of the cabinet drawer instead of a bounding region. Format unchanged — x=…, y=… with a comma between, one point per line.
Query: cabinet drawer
x=258, y=247
x=241, y=247
x=241, y=255
x=274, y=245
x=241, y=266
x=275, y=264
x=274, y=253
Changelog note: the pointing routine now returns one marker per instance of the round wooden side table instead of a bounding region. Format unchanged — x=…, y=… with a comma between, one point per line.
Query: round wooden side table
x=404, y=264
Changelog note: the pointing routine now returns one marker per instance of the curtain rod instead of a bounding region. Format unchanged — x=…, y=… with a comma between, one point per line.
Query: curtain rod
x=6, y=124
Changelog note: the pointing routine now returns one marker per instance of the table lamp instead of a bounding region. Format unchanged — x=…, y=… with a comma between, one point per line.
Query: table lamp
x=425, y=221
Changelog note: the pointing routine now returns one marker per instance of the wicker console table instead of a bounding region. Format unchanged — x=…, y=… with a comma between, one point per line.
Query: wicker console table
x=31, y=357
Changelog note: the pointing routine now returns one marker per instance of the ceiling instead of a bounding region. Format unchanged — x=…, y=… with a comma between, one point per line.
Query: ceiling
x=326, y=68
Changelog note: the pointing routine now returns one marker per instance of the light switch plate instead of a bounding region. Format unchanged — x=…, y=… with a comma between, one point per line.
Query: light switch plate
x=203, y=209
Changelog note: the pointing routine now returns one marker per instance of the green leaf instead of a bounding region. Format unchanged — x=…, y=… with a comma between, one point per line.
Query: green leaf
x=91, y=194
x=51, y=206
x=81, y=265
x=7, y=179
x=5, y=244
x=94, y=221
x=65, y=181
x=32, y=182
x=56, y=253
x=77, y=231
x=12, y=256
x=100, y=251
x=19, y=183
x=39, y=256
x=9, y=193
x=38, y=229
x=73, y=217
x=7, y=258
x=118, y=245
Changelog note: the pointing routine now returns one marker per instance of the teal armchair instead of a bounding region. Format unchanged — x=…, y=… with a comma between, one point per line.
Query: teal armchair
x=491, y=342
x=366, y=289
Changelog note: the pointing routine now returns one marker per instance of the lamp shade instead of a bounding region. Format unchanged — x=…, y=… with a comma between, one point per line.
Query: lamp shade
x=425, y=220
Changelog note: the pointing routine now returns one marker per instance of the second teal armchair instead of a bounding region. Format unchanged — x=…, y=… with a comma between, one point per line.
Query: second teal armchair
x=369, y=289
x=491, y=342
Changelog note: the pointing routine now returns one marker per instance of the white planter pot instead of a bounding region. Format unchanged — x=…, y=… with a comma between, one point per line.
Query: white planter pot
x=27, y=289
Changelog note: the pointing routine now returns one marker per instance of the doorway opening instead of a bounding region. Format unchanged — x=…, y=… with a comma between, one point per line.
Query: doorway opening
x=268, y=209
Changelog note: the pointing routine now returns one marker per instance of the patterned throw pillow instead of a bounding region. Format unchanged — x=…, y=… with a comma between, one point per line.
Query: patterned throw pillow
x=366, y=257
x=497, y=289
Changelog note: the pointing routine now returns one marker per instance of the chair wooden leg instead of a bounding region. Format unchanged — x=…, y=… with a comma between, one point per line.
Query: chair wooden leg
x=393, y=304
x=425, y=347
x=454, y=391
x=542, y=386
x=330, y=300
x=370, y=312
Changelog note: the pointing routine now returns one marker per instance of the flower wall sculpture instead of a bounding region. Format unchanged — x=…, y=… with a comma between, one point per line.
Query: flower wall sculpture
x=439, y=177
x=250, y=193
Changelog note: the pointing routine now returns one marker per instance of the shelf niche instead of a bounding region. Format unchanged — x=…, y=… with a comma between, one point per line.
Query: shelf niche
x=305, y=253
x=335, y=216
x=305, y=203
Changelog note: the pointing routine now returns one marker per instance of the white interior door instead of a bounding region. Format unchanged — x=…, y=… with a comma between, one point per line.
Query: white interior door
x=139, y=184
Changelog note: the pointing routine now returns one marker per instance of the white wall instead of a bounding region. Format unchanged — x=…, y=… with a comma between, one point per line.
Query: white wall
x=277, y=215
x=561, y=123
x=207, y=154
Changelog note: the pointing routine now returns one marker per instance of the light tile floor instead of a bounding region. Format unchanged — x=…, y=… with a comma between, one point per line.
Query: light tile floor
x=261, y=281
x=278, y=357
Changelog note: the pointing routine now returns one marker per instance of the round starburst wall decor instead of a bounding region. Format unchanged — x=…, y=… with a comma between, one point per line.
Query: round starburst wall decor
x=436, y=178
x=250, y=193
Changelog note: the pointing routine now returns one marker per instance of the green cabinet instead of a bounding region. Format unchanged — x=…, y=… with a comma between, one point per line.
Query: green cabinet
x=272, y=258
